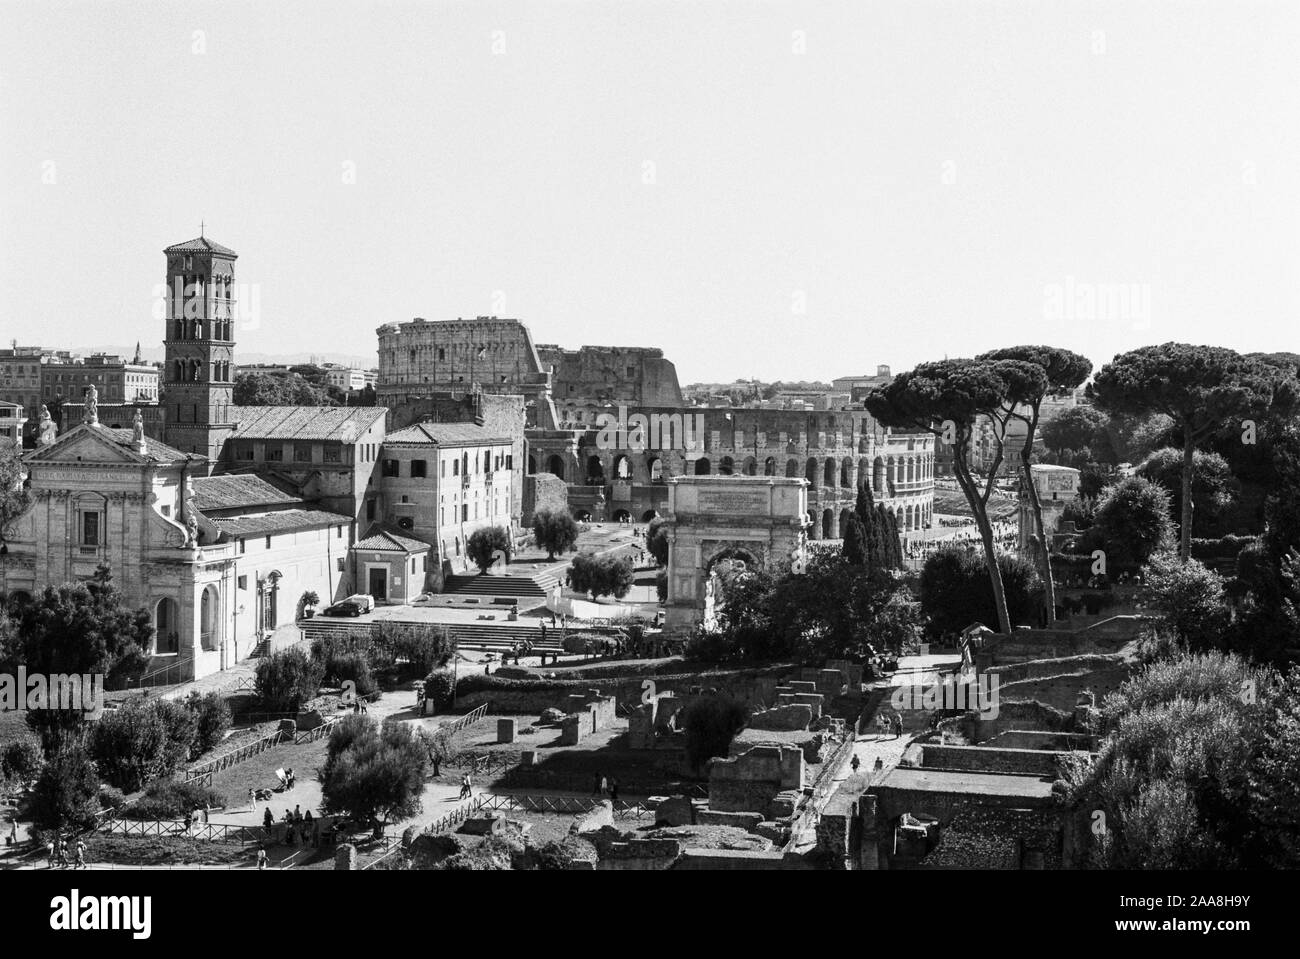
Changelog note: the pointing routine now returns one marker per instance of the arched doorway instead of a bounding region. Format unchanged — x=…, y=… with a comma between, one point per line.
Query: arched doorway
x=877, y=476
x=209, y=617
x=769, y=466
x=649, y=515
x=829, y=473
x=726, y=466
x=751, y=466
x=166, y=625
x=555, y=465
x=703, y=466
x=792, y=469
x=810, y=471
x=595, y=471
x=622, y=516
x=582, y=515
x=656, y=470
x=828, y=524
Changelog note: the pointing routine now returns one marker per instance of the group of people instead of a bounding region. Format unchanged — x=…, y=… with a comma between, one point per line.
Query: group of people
x=889, y=724
x=604, y=786
x=299, y=827
x=60, y=848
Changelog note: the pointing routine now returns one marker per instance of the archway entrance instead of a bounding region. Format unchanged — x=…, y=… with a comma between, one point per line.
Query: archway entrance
x=748, y=520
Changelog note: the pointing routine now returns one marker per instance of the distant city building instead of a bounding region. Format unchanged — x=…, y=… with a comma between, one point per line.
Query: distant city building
x=20, y=374
x=116, y=379
x=350, y=378
x=12, y=419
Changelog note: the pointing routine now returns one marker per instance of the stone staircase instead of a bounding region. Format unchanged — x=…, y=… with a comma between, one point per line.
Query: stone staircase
x=530, y=586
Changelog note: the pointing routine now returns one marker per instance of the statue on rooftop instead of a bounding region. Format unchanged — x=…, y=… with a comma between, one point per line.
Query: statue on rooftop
x=48, y=428
x=92, y=405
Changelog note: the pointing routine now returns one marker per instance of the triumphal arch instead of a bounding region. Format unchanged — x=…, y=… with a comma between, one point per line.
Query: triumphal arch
x=758, y=520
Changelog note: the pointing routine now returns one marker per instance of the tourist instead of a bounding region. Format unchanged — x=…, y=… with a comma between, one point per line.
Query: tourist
x=189, y=820
x=252, y=800
x=880, y=764
x=261, y=855
x=297, y=814
x=80, y=861
x=898, y=727
x=596, y=788
x=52, y=848
x=613, y=792
x=604, y=785
x=855, y=764
x=466, y=787
x=268, y=820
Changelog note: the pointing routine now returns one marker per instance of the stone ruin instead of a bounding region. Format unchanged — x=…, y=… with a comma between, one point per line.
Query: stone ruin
x=766, y=779
x=656, y=722
x=586, y=713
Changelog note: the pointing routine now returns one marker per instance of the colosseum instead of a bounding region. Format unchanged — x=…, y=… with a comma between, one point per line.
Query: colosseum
x=573, y=398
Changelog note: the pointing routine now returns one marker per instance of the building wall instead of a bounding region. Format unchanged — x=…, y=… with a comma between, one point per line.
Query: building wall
x=637, y=376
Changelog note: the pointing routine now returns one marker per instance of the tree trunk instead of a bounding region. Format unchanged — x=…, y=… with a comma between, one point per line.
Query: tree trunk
x=967, y=483
x=1185, y=534
x=1045, y=564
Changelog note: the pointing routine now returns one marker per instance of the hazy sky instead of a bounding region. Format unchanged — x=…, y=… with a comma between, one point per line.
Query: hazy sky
x=778, y=190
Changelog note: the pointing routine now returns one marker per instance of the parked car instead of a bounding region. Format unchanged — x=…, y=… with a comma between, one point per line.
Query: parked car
x=346, y=607
x=366, y=601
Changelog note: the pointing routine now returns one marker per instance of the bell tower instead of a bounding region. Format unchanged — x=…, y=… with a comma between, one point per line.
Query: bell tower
x=198, y=375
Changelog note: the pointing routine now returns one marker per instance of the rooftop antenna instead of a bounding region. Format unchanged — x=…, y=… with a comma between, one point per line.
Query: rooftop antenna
x=201, y=226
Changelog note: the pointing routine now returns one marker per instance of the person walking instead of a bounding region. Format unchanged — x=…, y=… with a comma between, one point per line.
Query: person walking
x=855, y=764
x=613, y=792
x=466, y=786
x=261, y=856
x=595, y=786
x=80, y=861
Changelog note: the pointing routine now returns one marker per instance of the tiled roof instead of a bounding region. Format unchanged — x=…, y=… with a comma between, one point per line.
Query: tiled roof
x=380, y=540
x=445, y=434
x=235, y=491
x=199, y=245
x=279, y=521
x=344, y=423
x=153, y=449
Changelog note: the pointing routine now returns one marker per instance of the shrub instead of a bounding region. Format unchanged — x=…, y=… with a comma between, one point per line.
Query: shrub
x=1132, y=522
x=656, y=540
x=711, y=724
x=21, y=761
x=66, y=793
x=956, y=591
x=110, y=797
x=354, y=668
x=439, y=689
x=288, y=679
x=141, y=741
x=211, y=720
x=169, y=799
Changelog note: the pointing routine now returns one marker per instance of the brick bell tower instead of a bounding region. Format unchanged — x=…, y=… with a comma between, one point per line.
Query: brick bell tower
x=198, y=375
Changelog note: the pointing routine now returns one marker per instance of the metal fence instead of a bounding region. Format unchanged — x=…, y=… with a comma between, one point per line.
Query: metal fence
x=469, y=719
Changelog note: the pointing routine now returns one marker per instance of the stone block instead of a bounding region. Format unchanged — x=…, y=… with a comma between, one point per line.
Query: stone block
x=345, y=856
x=747, y=821
x=506, y=730
x=528, y=757
x=793, y=716
x=676, y=811
x=573, y=728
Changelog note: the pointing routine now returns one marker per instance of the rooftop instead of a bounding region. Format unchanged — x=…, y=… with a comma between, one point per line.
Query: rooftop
x=343, y=423
x=380, y=540
x=446, y=434
x=279, y=521
x=200, y=245
x=237, y=491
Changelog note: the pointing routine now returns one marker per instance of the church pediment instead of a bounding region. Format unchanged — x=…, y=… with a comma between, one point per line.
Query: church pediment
x=87, y=445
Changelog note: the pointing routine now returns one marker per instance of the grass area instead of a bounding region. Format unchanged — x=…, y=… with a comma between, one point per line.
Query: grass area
x=164, y=850
x=259, y=771
x=953, y=503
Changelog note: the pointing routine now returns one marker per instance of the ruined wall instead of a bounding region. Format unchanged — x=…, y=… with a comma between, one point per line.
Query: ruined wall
x=978, y=837
x=595, y=375
x=1031, y=762
x=542, y=491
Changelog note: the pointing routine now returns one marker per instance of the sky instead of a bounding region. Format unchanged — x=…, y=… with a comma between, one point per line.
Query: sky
x=771, y=190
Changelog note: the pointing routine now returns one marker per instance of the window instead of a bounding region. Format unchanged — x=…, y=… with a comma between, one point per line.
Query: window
x=455, y=467
x=464, y=513
x=338, y=532
x=331, y=454
x=442, y=469
x=90, y=523
x=370, y=509
x=244, y=451
x=392, y=468
x=302, y=452
x=243, y=544
x=419, y=469
x=242, y=581
x=268, y=542
x=167, y=511
x=274, y=454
